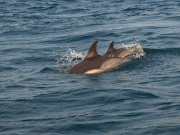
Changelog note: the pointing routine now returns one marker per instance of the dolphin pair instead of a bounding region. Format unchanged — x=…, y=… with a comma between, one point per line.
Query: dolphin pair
x=121, y=52
x=94, y=63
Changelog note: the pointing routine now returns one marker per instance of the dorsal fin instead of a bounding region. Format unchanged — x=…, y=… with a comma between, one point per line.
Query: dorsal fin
x=111, y=47
x=92, y=50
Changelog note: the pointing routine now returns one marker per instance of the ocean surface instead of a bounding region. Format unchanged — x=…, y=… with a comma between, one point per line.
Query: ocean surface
x=41, y=39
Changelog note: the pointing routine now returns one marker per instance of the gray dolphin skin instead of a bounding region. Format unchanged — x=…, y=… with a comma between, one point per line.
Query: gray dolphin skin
x=121, y=52
x=94, y=63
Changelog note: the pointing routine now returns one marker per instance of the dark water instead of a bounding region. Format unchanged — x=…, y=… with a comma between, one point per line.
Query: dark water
x=39, y=40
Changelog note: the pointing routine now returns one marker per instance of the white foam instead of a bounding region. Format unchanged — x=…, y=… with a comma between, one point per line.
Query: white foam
x=70, y=57
x=74, y=54
x=139, y=50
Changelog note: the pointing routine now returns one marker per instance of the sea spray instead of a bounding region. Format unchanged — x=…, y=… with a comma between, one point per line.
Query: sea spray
x=139, y=50
x=71, y=57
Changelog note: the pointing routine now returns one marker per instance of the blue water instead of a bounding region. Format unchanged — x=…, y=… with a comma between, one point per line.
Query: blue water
x=40, y=40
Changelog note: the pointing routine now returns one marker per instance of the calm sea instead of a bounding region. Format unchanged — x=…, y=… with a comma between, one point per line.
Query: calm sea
x=41, y=39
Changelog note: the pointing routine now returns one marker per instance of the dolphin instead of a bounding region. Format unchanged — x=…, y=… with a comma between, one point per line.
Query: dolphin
x=121, y=52
x=94, y=63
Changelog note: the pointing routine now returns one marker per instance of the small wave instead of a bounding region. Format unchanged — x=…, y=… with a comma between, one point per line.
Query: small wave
x=30, y=59
x=43, y=7
x=2, y=69
x=173, y=51
x=49, y=70
x=15, y=86
x=143, y=94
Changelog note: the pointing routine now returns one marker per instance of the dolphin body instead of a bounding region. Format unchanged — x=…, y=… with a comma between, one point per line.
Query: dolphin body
x=121, y=52
x=94, y=63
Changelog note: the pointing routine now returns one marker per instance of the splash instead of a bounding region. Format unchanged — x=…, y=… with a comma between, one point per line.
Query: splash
x=70, y=58
x=138, y=53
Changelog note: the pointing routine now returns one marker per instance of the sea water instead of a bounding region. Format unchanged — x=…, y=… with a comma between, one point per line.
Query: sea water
x=40, y=40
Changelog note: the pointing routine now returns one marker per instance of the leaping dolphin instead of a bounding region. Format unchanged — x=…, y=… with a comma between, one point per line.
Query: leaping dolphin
x=121, y=52
x=94, y=63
